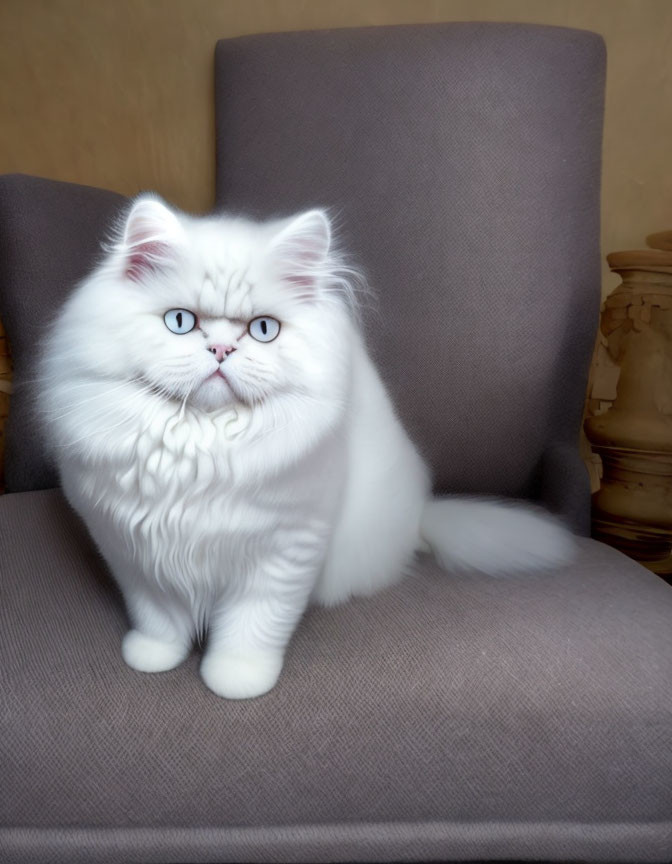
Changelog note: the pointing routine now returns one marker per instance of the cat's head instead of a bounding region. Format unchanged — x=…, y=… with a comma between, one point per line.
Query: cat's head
x=217, y=310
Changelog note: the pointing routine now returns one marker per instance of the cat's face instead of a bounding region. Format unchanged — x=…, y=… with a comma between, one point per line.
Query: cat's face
x=217, y=311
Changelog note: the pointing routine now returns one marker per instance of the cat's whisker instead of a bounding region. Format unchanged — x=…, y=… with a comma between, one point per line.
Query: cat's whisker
x=91, y=381
x=95, y=419
x=75, y=408
x=193, y=383
x=95, y=374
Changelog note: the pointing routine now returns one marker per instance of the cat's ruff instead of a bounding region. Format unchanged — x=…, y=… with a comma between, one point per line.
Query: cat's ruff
x=227, y=502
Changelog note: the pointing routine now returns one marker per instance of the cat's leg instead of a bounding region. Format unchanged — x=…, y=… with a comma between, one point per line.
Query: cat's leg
x=249, y=633
x=161, y=631
x=160, y=638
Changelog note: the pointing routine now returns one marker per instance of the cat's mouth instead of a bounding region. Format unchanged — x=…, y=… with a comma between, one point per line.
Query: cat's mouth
x=217, y=374
x=218, y=383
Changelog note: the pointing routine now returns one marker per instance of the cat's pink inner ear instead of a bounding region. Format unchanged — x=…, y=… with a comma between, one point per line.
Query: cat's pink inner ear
x=145, y=258
x=300, y=250
x=151, y=238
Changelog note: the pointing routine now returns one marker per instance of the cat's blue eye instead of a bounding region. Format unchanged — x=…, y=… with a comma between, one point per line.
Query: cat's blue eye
x=180, y=320
x=263, y=329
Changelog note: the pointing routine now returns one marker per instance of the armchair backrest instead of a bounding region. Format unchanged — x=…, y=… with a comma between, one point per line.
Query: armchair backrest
x=463, y=163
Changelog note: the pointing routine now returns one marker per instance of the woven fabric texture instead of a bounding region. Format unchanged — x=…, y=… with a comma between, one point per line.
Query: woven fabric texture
x=462, y=163
x=51, y=235
x=449, y=700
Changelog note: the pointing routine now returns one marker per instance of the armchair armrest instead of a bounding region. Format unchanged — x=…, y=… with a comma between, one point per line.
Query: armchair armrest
x=565, y=486
x=50, y=234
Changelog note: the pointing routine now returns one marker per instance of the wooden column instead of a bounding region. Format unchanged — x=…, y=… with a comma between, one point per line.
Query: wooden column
x=631, y=407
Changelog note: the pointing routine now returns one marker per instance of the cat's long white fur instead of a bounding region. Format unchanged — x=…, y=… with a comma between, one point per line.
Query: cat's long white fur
x=225, y=505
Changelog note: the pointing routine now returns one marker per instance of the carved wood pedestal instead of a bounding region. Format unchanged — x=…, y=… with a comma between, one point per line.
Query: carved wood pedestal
x=630, y=404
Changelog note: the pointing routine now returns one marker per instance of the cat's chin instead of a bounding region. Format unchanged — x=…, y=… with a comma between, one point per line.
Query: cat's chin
x=213, y=394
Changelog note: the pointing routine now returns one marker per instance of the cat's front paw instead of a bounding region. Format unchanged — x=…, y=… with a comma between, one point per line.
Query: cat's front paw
x=147, y=654
x=241, y=677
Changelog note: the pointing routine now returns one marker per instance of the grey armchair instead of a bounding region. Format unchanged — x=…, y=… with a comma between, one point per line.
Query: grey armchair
x=452, y=717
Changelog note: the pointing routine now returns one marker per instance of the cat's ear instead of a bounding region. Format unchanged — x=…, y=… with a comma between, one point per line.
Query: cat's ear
x=300, y=250
x=152, y=238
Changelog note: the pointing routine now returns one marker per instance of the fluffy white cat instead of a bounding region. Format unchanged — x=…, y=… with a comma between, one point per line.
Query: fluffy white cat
x=220, y=428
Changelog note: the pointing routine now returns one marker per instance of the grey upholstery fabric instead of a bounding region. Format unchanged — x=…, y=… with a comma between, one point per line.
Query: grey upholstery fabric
x=450, y=718
x=462, y=162
x=51, y=234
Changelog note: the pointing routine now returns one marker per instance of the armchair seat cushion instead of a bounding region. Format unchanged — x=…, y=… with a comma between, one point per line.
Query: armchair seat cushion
x=451, y=717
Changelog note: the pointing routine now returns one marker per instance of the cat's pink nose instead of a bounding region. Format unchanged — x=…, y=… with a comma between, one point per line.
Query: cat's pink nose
x=221, y=351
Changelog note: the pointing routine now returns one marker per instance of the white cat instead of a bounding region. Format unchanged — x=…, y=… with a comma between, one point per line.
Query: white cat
x=220, y=428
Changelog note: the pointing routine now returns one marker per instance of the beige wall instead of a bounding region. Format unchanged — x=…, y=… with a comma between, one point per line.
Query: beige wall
x=118, y=93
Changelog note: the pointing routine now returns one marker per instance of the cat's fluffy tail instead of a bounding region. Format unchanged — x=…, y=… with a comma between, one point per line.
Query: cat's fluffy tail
x=494, y=536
